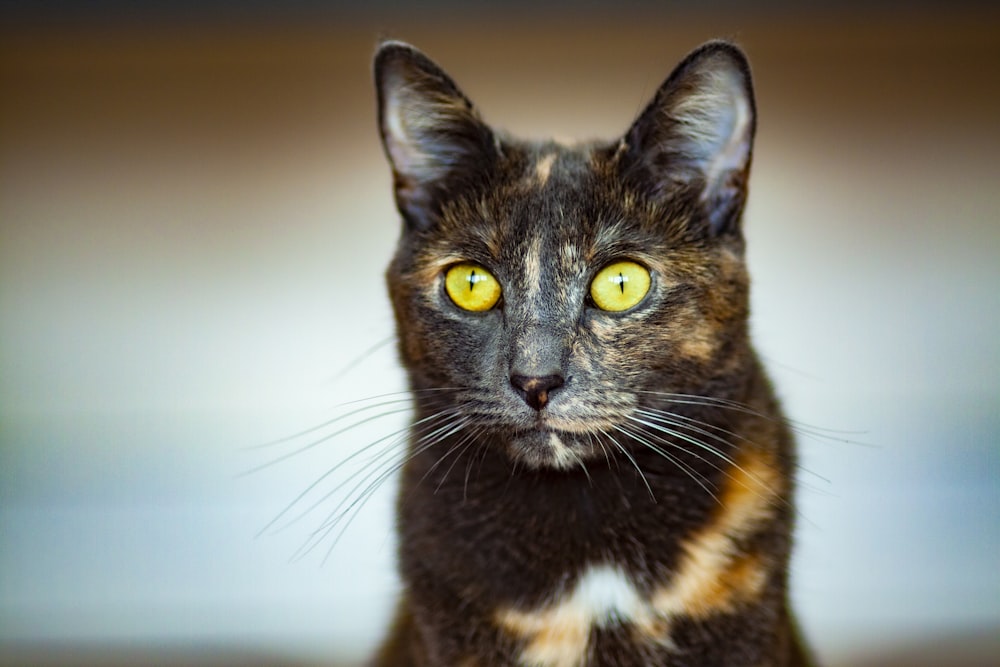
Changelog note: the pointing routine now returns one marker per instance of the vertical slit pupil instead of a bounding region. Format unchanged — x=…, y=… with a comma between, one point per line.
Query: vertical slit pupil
x=472, y=280
x=621, y=281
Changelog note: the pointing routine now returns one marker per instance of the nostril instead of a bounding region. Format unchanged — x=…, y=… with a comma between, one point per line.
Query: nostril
x=535, y=390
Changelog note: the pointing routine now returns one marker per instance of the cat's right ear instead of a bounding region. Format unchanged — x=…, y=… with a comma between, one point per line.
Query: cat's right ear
x=432, y=135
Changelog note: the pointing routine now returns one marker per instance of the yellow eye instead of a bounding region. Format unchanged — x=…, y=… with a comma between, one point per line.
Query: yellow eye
x=472, y=287
x=619, y=286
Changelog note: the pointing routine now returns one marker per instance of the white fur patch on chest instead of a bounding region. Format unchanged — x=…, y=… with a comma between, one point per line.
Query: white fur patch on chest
x=605, y=595
x=559, y=634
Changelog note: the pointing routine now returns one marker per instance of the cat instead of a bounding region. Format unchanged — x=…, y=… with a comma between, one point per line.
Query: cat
x=598, y=471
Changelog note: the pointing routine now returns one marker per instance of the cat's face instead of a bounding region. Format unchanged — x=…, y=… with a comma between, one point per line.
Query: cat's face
x=545, y=294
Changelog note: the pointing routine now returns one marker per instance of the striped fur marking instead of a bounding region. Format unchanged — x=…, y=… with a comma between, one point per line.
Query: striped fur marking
x=544, y=168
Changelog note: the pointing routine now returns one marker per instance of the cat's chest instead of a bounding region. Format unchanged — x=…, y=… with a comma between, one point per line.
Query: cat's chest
x=568, y=572
x=529, y=539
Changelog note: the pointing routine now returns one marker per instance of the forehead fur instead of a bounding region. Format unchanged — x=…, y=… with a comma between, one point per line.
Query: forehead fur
x=569, y=201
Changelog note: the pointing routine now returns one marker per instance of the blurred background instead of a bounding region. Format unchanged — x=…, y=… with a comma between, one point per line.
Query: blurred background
x=194, y=220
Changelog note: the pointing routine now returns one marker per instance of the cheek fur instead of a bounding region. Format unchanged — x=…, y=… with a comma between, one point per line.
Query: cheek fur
x=709, y=323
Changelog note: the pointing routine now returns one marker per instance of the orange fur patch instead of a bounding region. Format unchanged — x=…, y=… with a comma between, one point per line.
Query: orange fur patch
x=713, y=576
x=698, y=342
x=555, y=637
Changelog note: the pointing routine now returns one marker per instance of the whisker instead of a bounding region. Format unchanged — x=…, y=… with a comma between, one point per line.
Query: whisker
x=685, y=467
x=396, y=438
x=583, y=465
x=686, y=438
x=406, y=397
x=673, y=417
x=320, y=441
x=465, y=442
x=329, y=422
x=337, y=516
x=459, y=424
x=472, y=459
x=819, y=433
x=354, y=498
x=358, y=360
x=708, y=448
x=631, y=458
x=690, y=423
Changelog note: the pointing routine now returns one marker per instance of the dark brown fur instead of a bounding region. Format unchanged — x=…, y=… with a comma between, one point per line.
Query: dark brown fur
x=661, y=456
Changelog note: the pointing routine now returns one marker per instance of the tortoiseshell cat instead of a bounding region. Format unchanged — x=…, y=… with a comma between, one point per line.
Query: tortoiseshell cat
x=598, y=471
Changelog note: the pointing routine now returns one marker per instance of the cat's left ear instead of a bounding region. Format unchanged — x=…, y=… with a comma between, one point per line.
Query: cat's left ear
x=696, y=136
x=433, y=136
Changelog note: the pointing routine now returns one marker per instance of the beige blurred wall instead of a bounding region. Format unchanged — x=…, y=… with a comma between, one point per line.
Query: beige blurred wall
x=194, y=221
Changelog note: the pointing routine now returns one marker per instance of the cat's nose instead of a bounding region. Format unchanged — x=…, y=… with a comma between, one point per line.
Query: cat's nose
x=535, y=390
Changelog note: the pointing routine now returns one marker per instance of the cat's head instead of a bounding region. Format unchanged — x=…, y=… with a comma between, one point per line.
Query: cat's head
x=545, y=294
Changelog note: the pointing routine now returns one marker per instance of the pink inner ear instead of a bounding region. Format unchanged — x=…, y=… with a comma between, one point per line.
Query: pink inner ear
x=712, y=123
x=403, y=150
x=732, y=152
x=427, y=131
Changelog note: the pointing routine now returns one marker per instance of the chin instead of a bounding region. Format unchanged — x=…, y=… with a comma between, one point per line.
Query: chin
x=550, y=449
